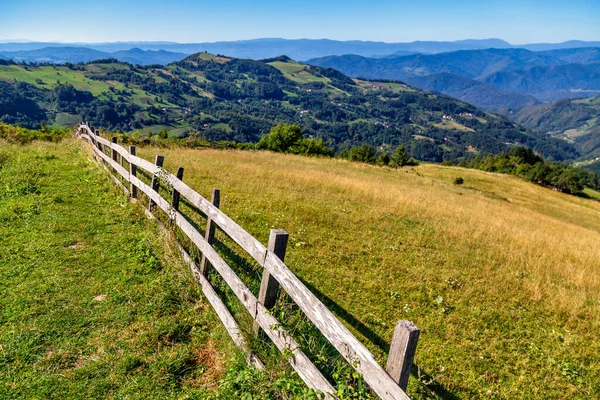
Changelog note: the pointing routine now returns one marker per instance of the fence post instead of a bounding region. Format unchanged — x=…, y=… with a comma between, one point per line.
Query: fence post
x=269, y=287
x=132, y=172
x=209, y=236
x=402, y=352
x=98, y=145
x=114, y=152
x=155, y=182
x=176, y=194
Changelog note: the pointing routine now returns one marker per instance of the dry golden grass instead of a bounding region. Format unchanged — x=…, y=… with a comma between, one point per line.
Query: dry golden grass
x=502, y=275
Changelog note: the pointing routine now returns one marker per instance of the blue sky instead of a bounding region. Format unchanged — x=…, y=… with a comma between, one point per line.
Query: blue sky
x=517, y=21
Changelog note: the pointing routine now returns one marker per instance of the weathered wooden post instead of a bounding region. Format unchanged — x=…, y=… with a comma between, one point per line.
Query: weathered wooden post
x=132, y=172
x=114, y=152
x=155, y=182
x=402, y=352
x=209, y=235
x=97, y=141
x=176, y=194
x=269, y=287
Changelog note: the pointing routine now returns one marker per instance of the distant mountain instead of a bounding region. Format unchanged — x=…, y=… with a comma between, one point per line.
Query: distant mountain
x=576, y=120
x=56, y=55
x=585, y=55
x=61, y=55
x=223, y=98
x=2, y=57
x=551, y=83
x=474, y=64
x=485, y=96
x=571, y=44
x=547, y=76
x=301, y=49
x=147, y=57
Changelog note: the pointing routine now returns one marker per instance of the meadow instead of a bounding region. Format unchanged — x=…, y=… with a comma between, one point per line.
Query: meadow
x=94, y=299
x=502, y=276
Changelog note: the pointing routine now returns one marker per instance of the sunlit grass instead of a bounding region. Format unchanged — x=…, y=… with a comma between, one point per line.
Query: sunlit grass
x=501, y=275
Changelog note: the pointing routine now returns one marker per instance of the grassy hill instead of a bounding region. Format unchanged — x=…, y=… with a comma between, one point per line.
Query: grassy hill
x=221, y=98
x=93, y=301
x=501, y=275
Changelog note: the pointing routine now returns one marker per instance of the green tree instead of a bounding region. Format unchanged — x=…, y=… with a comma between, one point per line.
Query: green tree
x=281, y=138
x=399, y=157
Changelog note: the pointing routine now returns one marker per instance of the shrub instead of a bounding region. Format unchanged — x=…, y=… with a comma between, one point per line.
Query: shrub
x=459, y=181
x=289, y=139
x=399, y=157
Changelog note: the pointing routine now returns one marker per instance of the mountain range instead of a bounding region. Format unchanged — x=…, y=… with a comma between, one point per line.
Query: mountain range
x=61, y=55
x=494, y=79
x=301, y=49
x=226, y=99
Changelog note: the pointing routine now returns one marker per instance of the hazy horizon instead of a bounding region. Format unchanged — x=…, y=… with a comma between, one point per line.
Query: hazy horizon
x=517, y=22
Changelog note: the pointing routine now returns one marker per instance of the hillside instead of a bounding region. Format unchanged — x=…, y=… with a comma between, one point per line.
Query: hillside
x=94, y=302
x=485, y=96
x=577, y=120
x=585, y=55
x=551, y=83
x=500, y=275
x=221, y=98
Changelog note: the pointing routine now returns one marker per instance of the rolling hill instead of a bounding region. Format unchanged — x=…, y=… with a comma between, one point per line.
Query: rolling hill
x=485, y=96
x=61, y=55
x=222, y=98
x=551, y=83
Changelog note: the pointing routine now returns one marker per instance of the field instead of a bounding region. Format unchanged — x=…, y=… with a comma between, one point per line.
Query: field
x=501, y=275
x=94, y=302
x=297, y=72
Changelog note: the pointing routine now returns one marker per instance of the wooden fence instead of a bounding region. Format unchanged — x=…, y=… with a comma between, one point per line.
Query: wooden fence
x=388, y=383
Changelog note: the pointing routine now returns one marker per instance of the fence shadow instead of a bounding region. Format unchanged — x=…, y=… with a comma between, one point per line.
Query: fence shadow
x=425, y=379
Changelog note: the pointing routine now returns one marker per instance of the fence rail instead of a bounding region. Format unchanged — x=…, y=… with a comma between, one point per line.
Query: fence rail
x=389, y=383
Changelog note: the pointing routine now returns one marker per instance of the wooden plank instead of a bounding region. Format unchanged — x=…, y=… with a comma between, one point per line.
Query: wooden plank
x=222, y=312
x=336, y=333
x=132, y=172
x=155, y=182
x=209, y=234
x=255, y=248
x=402, y=352
x=340, y=337
x=269, y=287
x=122, y=171
x=280, y=337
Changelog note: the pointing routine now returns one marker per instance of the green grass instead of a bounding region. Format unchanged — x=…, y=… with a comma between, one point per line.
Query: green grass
x=502, y=276
x=93, y=301
x=297, y=72
x=48, y=76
